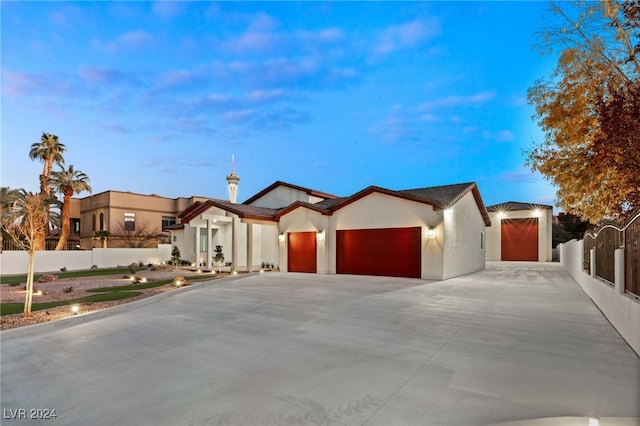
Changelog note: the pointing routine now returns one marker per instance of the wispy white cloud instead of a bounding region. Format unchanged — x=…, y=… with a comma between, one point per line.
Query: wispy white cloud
x=265, y=95
x=518, y=176
x=406, y=35
x=458, y=101
x=167, y=10
x=134, y=39
x=131, y=40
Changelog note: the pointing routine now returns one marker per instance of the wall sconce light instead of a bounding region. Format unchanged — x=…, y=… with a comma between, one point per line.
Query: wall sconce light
x=320, y=235
x=431, y=233
x=281, y=238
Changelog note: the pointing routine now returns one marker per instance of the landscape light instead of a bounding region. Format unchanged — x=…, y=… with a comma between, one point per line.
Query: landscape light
x=75, y=309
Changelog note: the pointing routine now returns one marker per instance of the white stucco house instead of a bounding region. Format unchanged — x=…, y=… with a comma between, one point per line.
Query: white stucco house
x=520, y=232
x=430, y=233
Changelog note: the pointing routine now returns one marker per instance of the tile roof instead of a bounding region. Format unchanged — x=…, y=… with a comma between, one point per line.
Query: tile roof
x=440, y=197
x=445, y=195
x=242, y=210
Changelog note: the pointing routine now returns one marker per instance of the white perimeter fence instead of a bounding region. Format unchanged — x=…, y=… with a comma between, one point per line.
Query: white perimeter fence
x=17, y=262
x=621, y=308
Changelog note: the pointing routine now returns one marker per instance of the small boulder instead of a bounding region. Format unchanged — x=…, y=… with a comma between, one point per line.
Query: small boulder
x=47, y=278
x=180, y=282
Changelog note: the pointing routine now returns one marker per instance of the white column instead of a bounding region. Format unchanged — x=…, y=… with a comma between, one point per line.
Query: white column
x=234, y=243
x=249, y=247
x=197, y=246
x=619, y=270
x=209, y=243
x=592, y=262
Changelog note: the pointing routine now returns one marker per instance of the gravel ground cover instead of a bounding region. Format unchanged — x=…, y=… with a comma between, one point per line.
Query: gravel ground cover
x=59, y=290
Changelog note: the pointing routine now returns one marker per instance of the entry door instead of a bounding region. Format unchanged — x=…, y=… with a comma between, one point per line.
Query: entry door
x=301, y=252
x=391, y=252
x=519, y=239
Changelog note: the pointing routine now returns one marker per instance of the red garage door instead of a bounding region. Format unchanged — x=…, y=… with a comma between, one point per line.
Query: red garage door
x=301, y=252
x=519, y=239
x=391, y=252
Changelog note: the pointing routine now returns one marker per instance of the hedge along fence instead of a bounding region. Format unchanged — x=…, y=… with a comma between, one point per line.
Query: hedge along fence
x=604, y=241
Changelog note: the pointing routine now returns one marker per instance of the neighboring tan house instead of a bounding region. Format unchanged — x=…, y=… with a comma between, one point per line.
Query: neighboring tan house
x=126, y=219
x=520, y=232
x=429, y=233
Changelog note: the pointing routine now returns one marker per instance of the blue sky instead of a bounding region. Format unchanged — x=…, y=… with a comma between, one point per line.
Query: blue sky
x=155, y=97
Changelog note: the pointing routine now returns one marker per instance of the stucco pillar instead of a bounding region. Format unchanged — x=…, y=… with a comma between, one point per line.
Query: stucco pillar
x=197, y=246
x=209, y=241
x=619, y=270
x=234, y=243
x=592, y=262
x=249, y=247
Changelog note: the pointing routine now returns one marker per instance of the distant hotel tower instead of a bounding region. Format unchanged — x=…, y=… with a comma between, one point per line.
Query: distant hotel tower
x=232, y=181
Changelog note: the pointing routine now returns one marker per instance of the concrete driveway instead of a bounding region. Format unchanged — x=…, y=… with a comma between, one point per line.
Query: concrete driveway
x=518, y=341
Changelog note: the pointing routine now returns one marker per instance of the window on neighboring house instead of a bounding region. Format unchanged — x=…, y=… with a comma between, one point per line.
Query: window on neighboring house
x=75, y=226
x=102, y=221
x=203, y=243
x=168, y=221
x=93, y=222
x=482, y=240
x=129, y=221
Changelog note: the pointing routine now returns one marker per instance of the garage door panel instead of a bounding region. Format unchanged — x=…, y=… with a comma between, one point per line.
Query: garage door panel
x=394, y=252
x=519, y=239
x=301, y=252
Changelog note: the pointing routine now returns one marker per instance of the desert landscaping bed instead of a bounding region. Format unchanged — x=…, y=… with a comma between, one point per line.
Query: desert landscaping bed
x=72, y=290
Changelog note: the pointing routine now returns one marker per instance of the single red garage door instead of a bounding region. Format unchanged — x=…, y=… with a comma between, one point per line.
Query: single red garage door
x=519, y=239
x=390, y=252
x=301, y=252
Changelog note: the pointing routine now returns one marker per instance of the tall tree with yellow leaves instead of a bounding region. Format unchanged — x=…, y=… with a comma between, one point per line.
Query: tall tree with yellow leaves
x=588, y=108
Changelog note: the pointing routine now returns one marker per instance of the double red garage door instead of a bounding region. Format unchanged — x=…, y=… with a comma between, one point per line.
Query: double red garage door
x=390, y=252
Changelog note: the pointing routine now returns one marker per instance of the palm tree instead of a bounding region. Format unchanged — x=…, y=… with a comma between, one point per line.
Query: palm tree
x=24, y=222
x=7, y=197
x=68, y=182
x=49, y=150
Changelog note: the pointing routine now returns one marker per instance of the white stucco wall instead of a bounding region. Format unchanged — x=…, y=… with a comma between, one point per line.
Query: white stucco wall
x=16, y=262
x=463, y=228
x=545, y=216
x=384, y=211
x=307, y=220
x=621, y=309
x=280, y=196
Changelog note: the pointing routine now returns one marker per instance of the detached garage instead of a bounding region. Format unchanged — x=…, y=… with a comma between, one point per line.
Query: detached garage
x=519, y=232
